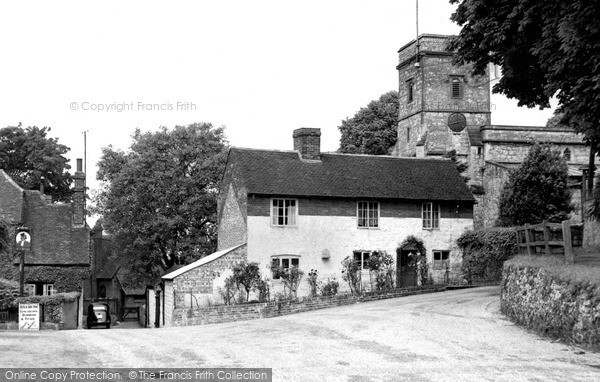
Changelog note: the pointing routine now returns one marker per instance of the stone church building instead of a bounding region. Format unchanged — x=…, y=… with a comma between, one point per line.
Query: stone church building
x=443, y=107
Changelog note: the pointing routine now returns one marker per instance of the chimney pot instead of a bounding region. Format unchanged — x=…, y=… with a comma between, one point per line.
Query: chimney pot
x=308, y=142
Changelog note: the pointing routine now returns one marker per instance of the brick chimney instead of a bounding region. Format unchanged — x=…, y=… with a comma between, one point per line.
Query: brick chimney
x=78, y=204
x=308, y=142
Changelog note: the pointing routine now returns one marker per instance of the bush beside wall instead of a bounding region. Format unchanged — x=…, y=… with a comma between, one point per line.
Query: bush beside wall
x=485, y=251
x=555, y=299
x=228, y=313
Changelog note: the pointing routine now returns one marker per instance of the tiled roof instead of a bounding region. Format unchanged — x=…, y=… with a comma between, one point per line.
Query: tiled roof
x=205, y=260
x=54, y=241
x=283, y=173
x=108, y=271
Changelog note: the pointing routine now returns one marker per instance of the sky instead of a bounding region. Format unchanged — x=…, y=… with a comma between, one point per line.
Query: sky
x=259, y=68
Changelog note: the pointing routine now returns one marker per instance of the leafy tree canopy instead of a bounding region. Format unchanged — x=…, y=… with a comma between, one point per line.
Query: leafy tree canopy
x=545, y=48
x=373, y=129
x=159, y=198
x=537, y=190
x=28, y=154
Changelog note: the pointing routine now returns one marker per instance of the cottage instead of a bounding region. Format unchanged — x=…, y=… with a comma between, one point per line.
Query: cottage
x=51, y=242
x=55, y=239
x=311, y=209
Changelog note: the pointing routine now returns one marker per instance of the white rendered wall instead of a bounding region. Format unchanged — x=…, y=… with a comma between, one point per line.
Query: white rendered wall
x=341, y=237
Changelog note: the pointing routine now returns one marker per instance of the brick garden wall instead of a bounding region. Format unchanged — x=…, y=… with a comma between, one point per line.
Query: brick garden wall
x=200, y=279
x=228, y=313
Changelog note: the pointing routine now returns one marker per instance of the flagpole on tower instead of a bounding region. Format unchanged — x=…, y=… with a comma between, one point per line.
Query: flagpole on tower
x=417, y=29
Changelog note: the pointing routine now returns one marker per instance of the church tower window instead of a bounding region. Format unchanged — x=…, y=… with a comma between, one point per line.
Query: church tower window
x=456, y=87
x=410, y=89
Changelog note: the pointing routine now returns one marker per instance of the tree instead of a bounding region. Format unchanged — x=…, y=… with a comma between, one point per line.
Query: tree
x=247, y=275
x=373, y=129
x=537, y=190
x=159, y=199
x=28, y=154
x=545, y=48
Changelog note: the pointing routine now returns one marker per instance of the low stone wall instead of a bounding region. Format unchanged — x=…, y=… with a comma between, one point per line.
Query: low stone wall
x=555, y=300
x=228, y=313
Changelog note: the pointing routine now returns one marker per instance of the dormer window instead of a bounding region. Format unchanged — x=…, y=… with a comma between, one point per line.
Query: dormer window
x=456, y=87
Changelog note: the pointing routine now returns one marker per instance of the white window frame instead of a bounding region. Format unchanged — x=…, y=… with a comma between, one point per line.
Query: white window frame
x=371, y=220
x=47, y=289
x=430, y=215
x=290, y=220
x=364, y=257
x=441, y=263
x=283, y=259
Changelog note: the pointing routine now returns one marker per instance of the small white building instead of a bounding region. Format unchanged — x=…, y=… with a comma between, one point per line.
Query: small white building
x=310, y=209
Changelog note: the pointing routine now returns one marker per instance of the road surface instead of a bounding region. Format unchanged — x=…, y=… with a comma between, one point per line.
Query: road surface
x=449, y=336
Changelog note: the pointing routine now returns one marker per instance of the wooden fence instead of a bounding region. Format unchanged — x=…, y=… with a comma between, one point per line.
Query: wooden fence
x=550, y=239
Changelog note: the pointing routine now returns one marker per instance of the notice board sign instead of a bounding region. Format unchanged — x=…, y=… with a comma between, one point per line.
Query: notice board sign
x=29, y=316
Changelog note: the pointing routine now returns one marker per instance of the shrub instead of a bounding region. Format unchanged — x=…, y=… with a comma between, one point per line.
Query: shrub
x=9, y=290
x=485, y=251
x=351, y=274
x=330, y=288
x=290, y=277
x=381, y=264
x=312, y=281
x=420, y=260
x=263, y=290
x=228, y=290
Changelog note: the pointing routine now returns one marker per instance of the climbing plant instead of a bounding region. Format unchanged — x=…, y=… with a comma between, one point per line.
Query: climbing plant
x=420, y=260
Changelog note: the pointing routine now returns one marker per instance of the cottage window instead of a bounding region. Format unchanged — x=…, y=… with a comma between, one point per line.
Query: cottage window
x=441, y=259
x=283, y=212
x=40, y=289
x=361, y=258
x=567, y=155
x=431, y=216
x=368, y=214
x=285, y=263
x=456, y=87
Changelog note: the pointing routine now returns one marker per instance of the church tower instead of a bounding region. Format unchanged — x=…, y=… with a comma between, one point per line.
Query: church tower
x=439, y=102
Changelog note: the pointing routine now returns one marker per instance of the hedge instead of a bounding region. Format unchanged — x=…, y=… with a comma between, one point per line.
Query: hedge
x=485, y=251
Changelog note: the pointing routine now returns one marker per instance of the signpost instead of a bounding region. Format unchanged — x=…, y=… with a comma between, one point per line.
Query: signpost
x=29, y=316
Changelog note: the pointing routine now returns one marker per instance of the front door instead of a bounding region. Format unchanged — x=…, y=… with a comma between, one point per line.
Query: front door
x=406, y=275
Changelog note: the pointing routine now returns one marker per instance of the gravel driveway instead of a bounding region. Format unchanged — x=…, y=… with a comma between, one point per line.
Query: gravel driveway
x=452, y=336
